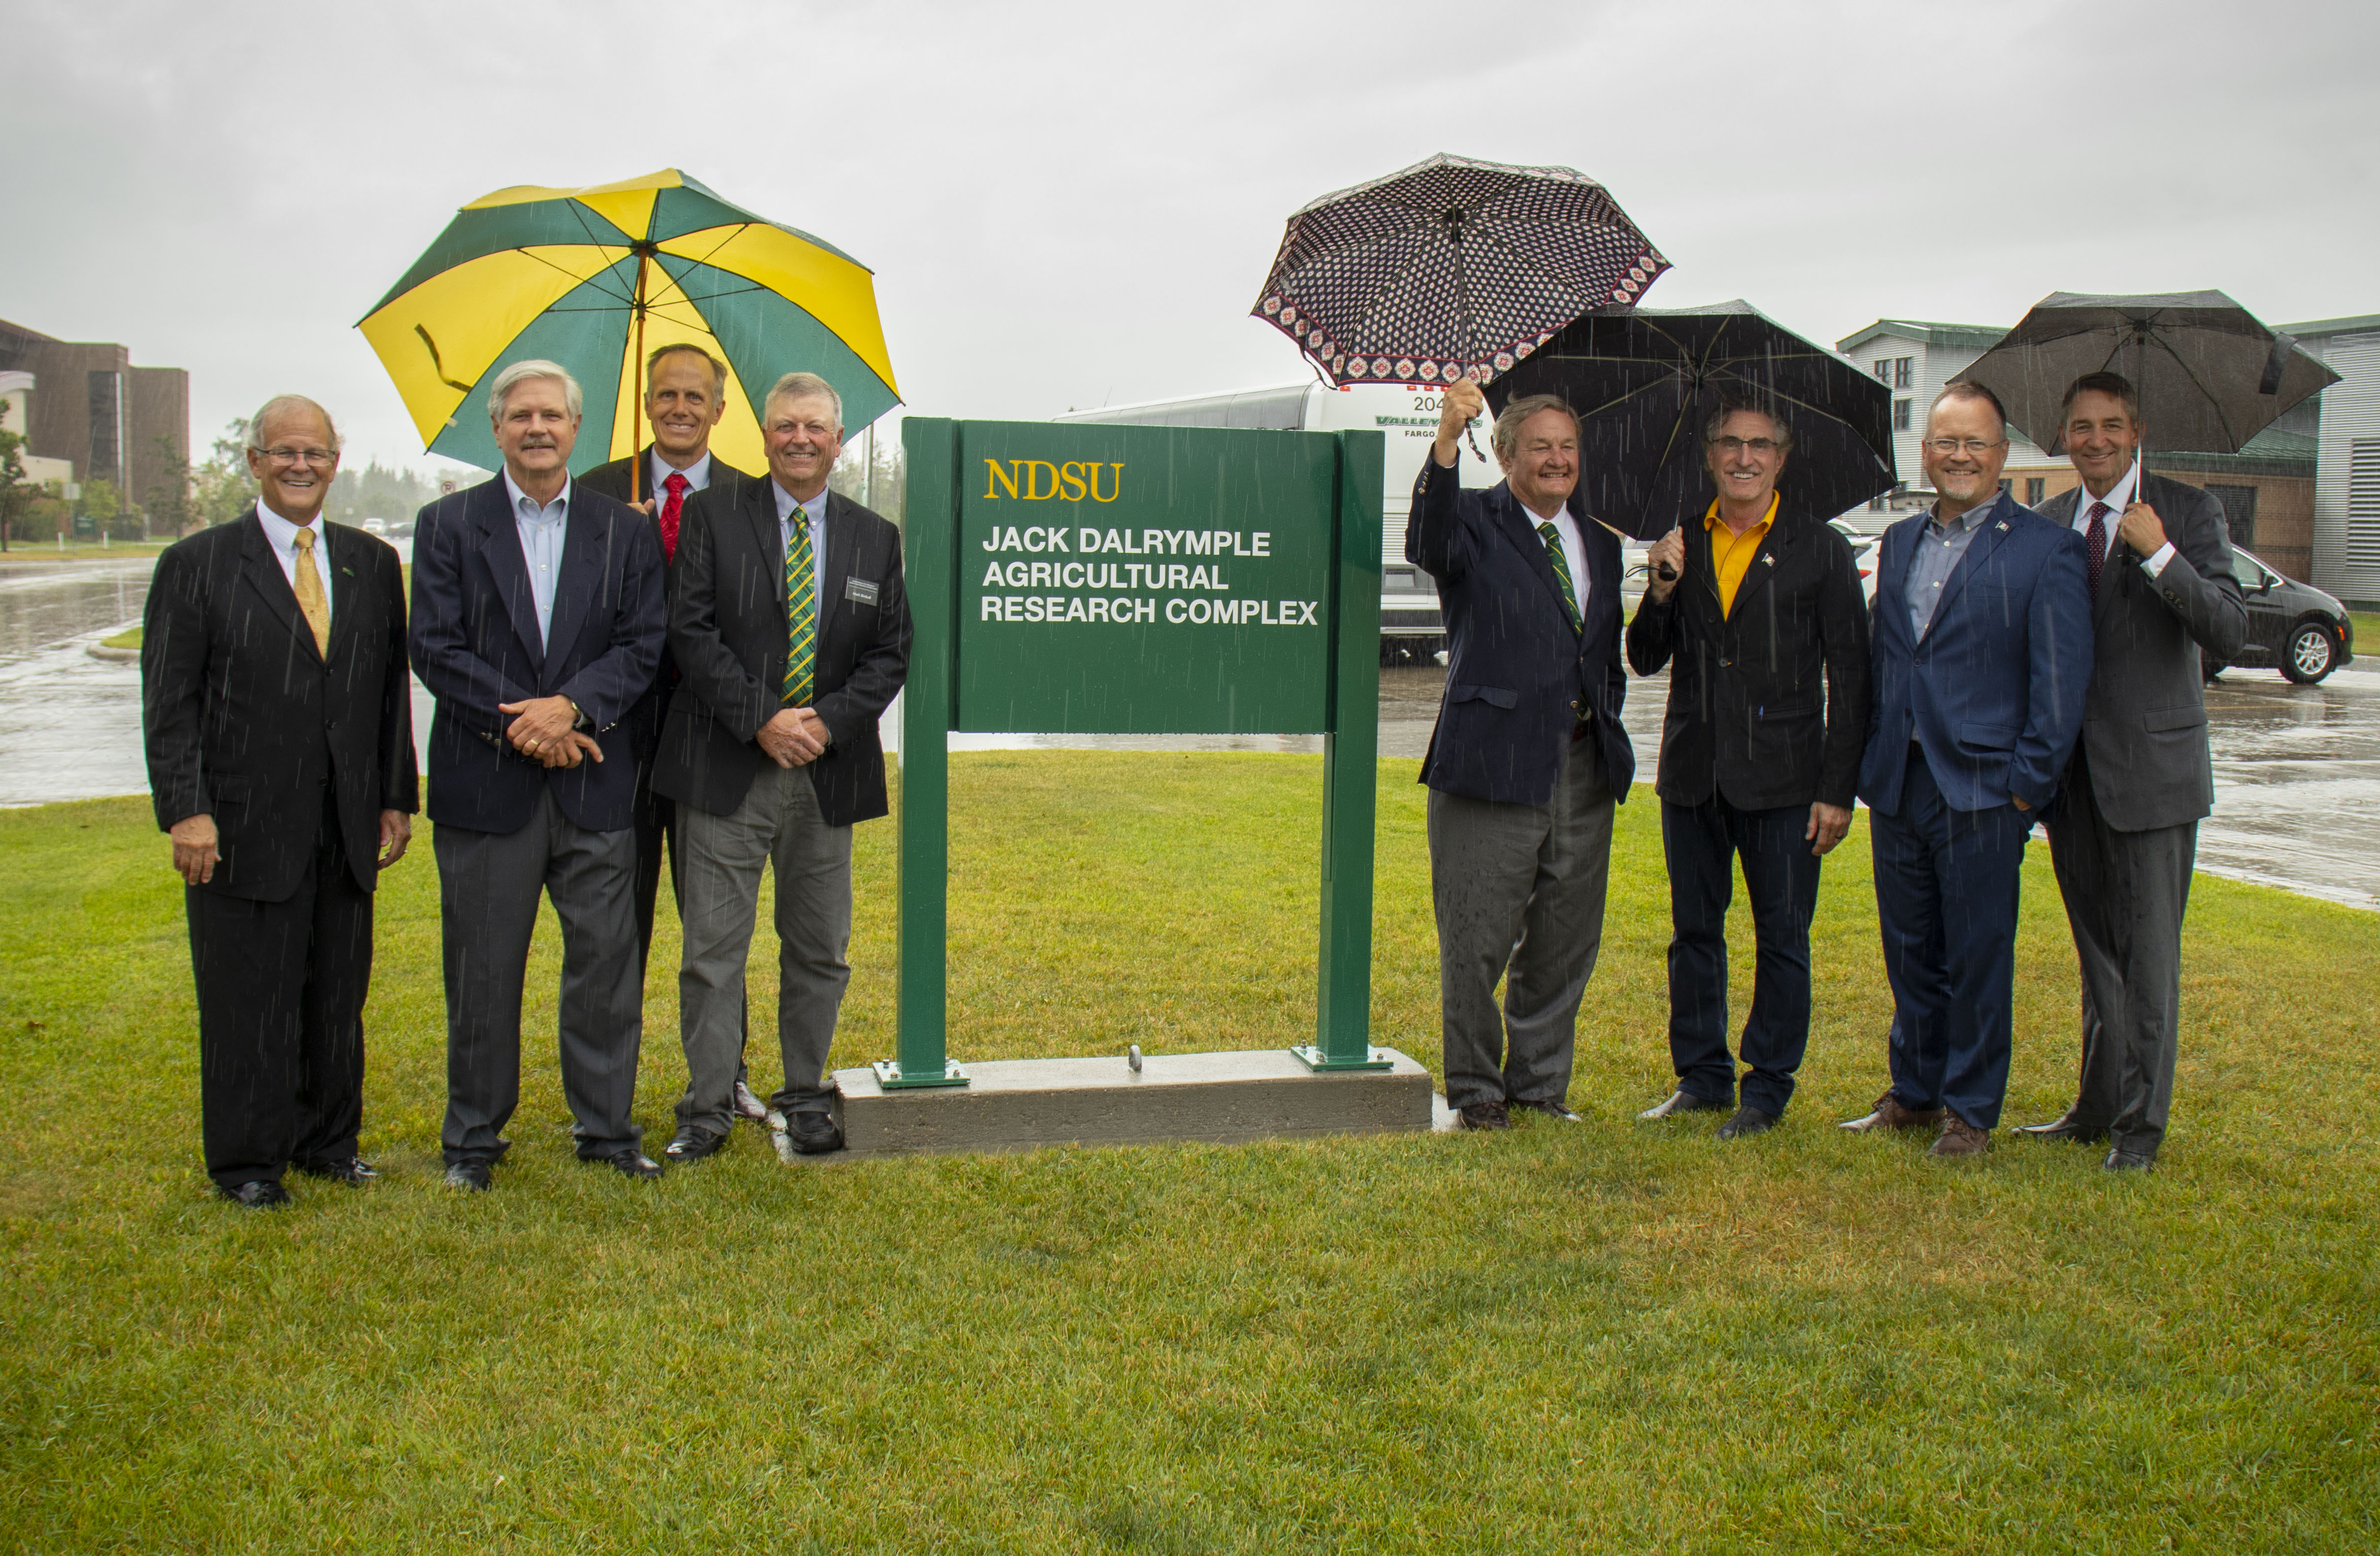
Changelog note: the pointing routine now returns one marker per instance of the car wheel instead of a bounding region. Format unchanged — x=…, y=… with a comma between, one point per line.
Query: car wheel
x=2312, y=653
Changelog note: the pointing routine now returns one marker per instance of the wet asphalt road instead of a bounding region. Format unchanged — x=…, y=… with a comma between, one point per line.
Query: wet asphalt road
x=2297, y=769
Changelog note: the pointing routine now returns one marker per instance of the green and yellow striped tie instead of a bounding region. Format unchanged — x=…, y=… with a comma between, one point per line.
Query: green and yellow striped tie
x=1560, y=559
x=801, y=613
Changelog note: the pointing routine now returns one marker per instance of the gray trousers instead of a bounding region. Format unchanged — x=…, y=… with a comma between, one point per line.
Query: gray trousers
x=2125, y=895
x=1518, y=890
x=777, y=826
x=489, y=884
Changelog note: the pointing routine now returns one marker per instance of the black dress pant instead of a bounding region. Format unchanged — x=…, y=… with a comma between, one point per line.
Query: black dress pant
x=1780, y=877
x=281, y=990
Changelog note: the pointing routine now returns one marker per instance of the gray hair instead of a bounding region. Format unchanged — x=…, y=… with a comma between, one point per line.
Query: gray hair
x=499, y=392
x=1508, y=423
x=718, y=367
x=279, y=403
x=803, y=386
x=1777, y=427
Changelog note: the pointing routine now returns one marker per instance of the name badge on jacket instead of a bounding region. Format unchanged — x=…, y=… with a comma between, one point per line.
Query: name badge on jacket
x=859, y=591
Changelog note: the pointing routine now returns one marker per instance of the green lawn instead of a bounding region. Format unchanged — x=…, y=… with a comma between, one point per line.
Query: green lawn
x=1566, y=1338
x=2367, y=632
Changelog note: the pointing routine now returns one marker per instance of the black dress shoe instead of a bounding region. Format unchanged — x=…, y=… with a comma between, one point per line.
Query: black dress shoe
x=1748, y=1120
x=692, y=1145
x=813, y=1134
x=2066, y=1126
x=262, y=1194
x=1484, y=1115
x=633, y=1163
x=2121, y=1160
x=1682, y=1103
x=473, y=1176
x=355, y=1172
x=1551, y=1110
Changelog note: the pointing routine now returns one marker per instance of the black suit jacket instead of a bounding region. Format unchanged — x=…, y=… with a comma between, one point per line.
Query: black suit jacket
x=244, y=720
x=475, y=645
x=613, y=480
x=1518, y=678
x=727, y=631
x=1768, y=703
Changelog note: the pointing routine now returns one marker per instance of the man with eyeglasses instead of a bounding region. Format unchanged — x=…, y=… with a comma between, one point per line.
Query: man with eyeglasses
x=278, y=721
x=537, y=624
x=1980, y=657
x=2124, y=835
x=1760, y=604
x=685, y=396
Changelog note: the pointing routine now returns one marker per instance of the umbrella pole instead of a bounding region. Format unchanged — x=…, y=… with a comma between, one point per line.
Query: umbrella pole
x=637, y=396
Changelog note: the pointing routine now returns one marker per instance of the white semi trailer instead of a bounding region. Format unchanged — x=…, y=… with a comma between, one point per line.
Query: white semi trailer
x=1411, y=627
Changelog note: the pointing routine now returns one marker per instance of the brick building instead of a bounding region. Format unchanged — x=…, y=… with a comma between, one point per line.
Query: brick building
x=88, y=405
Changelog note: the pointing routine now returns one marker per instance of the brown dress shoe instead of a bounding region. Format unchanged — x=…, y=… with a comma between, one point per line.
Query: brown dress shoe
x=1961, y=1138
x=1892, y=1113
x=1484, y=1115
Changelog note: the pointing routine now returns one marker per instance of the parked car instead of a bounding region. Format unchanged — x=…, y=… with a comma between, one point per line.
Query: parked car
x=376, y=527
x=2292, y=627
x=1866, y=550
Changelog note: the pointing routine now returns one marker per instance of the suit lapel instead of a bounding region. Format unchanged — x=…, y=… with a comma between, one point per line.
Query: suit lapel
x=759, y=501
x=1891, y=608
x=342, y=553
x=582, y=575
x=1992, y=529
x=1522, y=530
x=838, y=562
x=264, y=575
x=500, y=546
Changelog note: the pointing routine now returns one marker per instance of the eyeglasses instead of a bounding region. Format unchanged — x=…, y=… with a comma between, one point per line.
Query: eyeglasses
x=1732, y=445
x=1976, y=447
x=321, y=458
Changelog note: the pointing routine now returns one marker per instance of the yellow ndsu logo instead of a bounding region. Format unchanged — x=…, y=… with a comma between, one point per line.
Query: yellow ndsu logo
x=1039, y=480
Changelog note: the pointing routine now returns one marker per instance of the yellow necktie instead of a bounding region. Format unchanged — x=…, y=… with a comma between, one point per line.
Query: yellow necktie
x=311, y=603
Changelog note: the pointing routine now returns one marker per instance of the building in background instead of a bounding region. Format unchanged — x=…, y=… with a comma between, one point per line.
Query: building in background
x=2267, y=489
x=84, y=403
x=16, y=404
x=2345, y=541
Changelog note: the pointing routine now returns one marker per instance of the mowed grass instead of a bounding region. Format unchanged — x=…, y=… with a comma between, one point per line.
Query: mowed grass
x=1595, y=1337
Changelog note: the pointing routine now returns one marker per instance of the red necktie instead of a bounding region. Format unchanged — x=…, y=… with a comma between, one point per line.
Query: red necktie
x=675, y=503
x=2095, y=539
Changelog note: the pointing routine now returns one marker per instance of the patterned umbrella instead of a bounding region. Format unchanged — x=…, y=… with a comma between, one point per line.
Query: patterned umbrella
x=595, y=279
x=1644, y=382
x=1451, y=269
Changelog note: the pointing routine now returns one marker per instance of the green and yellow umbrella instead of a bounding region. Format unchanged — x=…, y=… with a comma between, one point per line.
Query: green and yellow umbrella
x=595, y=279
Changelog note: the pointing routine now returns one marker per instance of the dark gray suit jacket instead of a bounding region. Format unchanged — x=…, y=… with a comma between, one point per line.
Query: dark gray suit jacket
x=2144, y=717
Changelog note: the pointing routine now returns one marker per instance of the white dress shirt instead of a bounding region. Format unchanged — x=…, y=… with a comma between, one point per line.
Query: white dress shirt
x=2119, y=498
x=542, y=530
x=698, y=475
x=815, y=511
x=1573, y=548
x=284, y=536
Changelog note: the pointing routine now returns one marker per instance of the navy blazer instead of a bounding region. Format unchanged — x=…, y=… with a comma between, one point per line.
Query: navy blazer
x=475, y=644
x=1518, y=677
x=1993, y=691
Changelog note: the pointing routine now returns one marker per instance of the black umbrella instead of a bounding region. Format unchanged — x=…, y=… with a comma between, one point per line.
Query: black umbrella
x=1451, y=269
x=2208, y=375
x=1644, y=383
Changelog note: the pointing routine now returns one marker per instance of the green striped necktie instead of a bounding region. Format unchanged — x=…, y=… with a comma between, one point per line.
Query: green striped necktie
x=801, y=612
x=1560, y=559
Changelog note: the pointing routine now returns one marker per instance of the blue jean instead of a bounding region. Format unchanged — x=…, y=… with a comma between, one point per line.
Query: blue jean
x=1701, y=844
x=1946, y=898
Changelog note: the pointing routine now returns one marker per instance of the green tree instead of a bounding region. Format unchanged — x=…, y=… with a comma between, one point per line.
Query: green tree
x=99, y=501
x=222, y=490
x=169, y=499
x=17, y=493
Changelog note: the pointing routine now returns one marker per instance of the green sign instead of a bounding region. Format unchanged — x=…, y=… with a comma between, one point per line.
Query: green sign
x=1102, y=580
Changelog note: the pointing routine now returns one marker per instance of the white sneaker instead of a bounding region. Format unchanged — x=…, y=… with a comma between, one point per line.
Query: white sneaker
x=748, y=1105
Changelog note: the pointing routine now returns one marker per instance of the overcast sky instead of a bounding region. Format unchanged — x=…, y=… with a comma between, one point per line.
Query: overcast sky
x=1073, y=205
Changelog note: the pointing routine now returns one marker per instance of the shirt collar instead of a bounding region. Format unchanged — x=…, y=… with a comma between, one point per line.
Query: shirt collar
x=815, y=508
x=280, y=532
x=1972, y=518
x=1710, y=518
x=698, y=475
x=516, y=497
x=2119, y=495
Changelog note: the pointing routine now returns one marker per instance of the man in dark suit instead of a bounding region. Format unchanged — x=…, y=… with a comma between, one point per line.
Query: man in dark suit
x=791, y=630
x=279, y=728
x=685, y=394
x=1528, y=757
x=537, y=622
x=1760, y=753
x=2124, y=835
x=1981, y=652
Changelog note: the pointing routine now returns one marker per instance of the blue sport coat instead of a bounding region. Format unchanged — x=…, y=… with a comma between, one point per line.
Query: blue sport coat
x=1993, y=691
x=475, y=644
x=1517, y=677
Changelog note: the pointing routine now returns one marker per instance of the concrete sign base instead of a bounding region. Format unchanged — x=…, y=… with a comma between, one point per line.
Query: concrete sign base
x=1020, y=1104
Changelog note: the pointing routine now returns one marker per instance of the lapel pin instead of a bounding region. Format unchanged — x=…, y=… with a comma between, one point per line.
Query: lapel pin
x=2001, y=525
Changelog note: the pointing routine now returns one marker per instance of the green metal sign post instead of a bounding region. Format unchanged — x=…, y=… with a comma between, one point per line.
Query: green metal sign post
x=1107, y=579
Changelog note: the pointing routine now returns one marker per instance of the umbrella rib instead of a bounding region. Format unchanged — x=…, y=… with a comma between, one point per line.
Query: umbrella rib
x=582, y=280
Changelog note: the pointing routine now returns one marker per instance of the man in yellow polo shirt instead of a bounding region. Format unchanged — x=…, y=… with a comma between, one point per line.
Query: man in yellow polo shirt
x=1761, y=613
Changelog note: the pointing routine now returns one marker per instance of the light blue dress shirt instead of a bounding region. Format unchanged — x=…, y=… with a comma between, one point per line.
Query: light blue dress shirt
x=1941, y=547
x=815, y=511
x=282, y=536
x=542, y=533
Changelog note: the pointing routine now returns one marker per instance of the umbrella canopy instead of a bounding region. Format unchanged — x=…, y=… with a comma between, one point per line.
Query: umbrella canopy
x=595, y=279
x=1644, y=382
x=2209, y=376
x=1451, y=269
